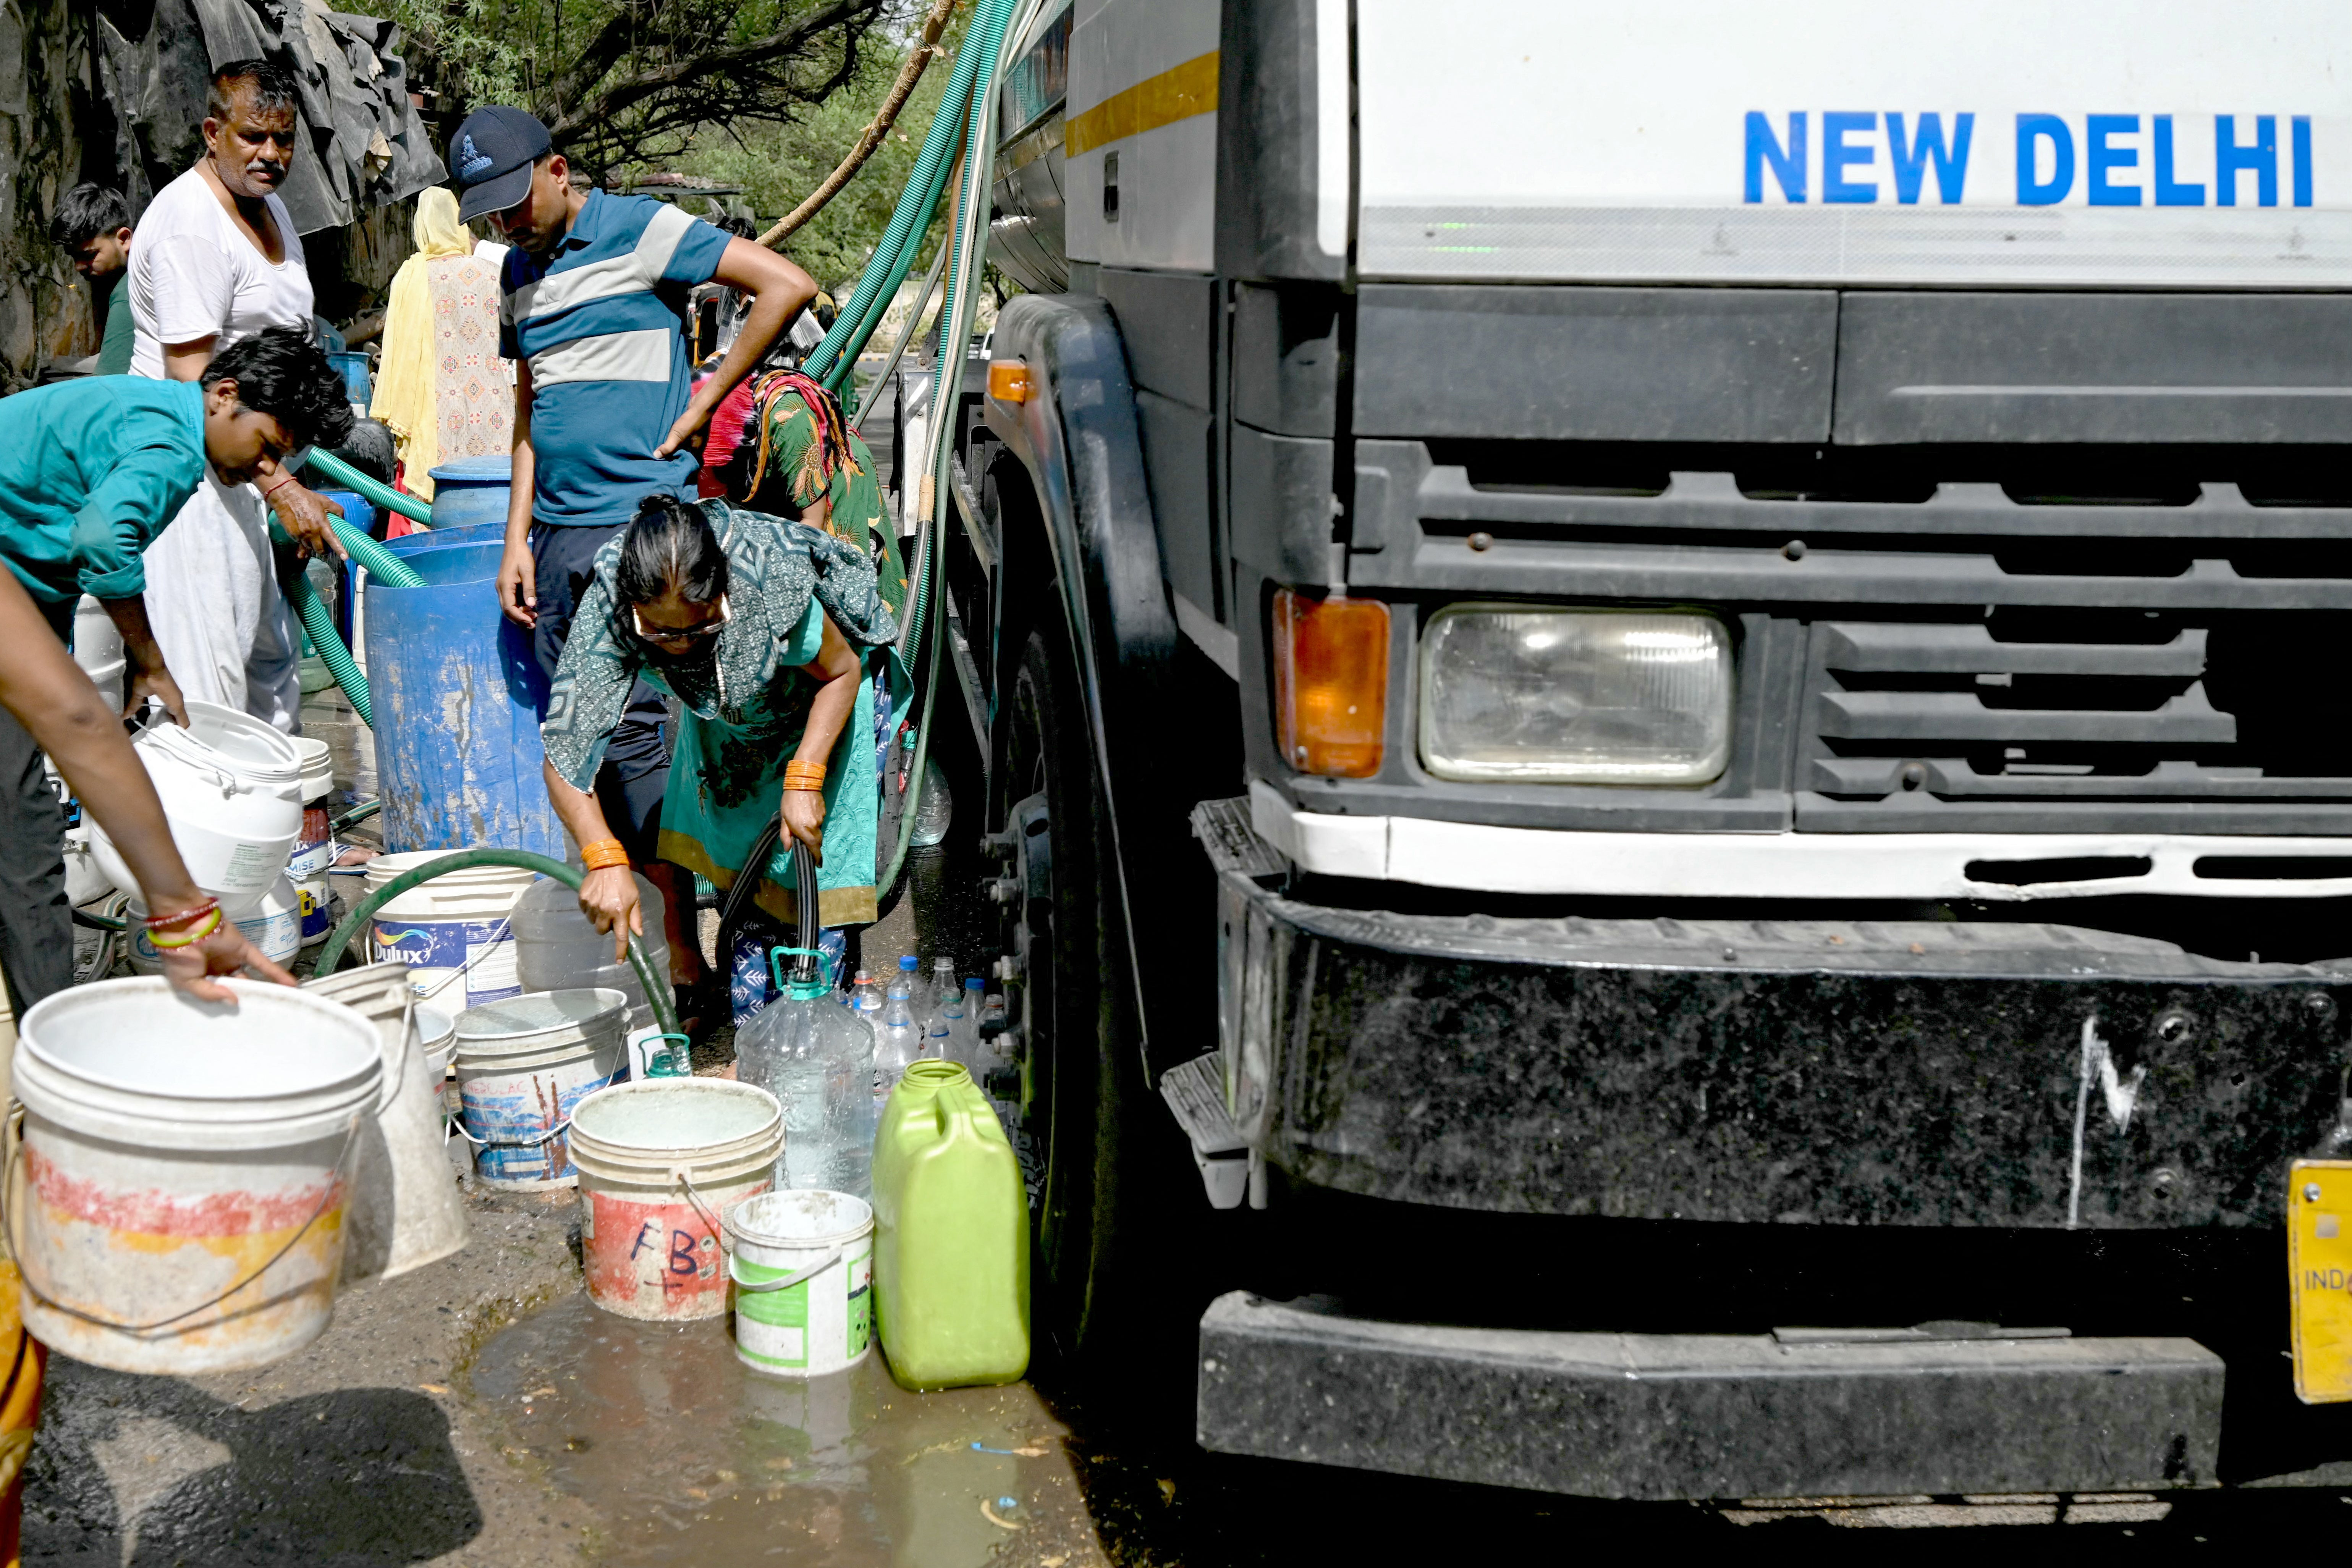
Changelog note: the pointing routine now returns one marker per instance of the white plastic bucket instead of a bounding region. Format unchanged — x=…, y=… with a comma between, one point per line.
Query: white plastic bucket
x=178, y=1204
x=802, y=1265
x=231, y=788
x=523, y=1064
x=405, y=1211
x=453, y=932
x=275, y=926
x=318, y=768
x=661, y=1162
x=436, y=1032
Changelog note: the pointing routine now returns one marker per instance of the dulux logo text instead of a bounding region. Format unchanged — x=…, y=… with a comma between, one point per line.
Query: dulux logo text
x=2116, y=150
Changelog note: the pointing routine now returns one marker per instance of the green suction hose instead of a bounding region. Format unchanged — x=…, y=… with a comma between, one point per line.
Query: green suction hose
x=333, y=467
x=831, y=361
x=338, y=659
x=339, y=941
x=320, y=625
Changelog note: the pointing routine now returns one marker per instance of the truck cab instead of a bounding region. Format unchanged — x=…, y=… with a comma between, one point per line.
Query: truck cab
x=1671, y=674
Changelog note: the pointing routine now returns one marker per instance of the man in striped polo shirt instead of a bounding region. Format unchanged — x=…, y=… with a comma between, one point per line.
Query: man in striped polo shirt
x=592, y=310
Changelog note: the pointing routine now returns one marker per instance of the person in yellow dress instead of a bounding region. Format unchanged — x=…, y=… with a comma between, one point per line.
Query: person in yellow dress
x=441, y=388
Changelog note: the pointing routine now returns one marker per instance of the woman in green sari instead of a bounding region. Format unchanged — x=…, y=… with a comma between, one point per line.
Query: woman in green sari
x=761, y=628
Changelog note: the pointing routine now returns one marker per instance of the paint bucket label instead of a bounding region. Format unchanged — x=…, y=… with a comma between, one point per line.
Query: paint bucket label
x=513, y=1118
x=278, y=933
x=822, y=1324
x=436, y=951
x=314, y=852
x=317, y=909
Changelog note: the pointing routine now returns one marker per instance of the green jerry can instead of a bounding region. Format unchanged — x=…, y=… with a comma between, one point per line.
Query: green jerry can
x=950, y=1235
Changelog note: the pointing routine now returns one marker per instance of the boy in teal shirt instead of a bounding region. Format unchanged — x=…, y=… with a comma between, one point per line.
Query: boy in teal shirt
x=91, y=472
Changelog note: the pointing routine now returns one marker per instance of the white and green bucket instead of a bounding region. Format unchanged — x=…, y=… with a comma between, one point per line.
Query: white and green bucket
x=803, y=1267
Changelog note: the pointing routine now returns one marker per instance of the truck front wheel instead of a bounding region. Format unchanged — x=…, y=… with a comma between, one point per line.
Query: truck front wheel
x=1082, y=1079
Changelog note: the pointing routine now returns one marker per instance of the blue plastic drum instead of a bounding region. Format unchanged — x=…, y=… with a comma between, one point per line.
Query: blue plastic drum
x=470, y=490
x=457, y=698
x=353, y=366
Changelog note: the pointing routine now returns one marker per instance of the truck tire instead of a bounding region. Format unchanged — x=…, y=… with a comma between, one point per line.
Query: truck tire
x=1085, y=1070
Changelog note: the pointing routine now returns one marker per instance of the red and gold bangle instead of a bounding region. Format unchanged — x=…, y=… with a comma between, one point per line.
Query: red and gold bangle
x=603, y=855
x=805, y=775
x=180, y=916
x=191, y=936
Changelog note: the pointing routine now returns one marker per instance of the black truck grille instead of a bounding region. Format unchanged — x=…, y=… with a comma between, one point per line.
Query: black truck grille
x=2023, y=714
x=2021, y=656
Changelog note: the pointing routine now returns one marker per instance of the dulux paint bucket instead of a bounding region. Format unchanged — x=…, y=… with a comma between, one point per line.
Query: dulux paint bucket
x=232, y=791
x=405, y=1211
x=453, y=932
x=662, y=1162
x=177, y=1205
x=523, y=1066
x=803, y=1268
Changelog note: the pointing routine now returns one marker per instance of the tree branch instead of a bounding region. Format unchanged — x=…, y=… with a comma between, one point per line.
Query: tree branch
x=652, y=81
x=908, y=75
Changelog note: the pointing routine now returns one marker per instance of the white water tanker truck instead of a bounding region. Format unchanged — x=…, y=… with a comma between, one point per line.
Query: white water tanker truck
x=1678, y=670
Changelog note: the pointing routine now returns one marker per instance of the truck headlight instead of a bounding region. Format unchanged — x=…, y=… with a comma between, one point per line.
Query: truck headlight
x=1574, y=696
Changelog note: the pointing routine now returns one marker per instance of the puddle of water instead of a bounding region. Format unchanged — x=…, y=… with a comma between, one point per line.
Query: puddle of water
x=690, y=1457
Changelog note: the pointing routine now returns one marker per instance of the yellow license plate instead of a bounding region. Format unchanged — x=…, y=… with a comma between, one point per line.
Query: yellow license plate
x=2319, y=1264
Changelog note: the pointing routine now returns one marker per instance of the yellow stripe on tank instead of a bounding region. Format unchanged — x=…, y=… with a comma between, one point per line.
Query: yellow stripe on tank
x=1177, y=93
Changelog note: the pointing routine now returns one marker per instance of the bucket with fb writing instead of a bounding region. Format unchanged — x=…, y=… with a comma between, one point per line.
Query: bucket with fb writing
x=803, y=1267
x=661, y=1164
x=453, y=932
x=177, y=1203
x=523, y=1065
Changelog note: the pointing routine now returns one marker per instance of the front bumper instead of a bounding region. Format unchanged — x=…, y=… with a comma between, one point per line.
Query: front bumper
x=1708, y=1416
x=1879, y=1123
x=2022, y=1076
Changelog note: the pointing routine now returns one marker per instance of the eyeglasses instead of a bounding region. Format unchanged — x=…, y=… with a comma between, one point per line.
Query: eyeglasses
x=688, y=635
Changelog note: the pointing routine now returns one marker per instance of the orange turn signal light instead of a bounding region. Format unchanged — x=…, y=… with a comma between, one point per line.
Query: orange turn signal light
x=1330, y=683
x=1009, y=380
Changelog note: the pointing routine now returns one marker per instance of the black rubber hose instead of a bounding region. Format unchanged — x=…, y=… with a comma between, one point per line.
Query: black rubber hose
x=740, y=897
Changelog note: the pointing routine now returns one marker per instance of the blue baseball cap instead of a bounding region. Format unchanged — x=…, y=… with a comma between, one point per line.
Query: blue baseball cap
x=491, y=157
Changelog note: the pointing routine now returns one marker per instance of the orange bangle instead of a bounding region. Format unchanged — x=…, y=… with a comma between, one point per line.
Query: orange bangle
x=603, y=854
x=805, y=775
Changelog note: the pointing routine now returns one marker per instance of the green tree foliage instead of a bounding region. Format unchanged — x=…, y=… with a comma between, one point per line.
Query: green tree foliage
x=777, y=164
x=624, y=83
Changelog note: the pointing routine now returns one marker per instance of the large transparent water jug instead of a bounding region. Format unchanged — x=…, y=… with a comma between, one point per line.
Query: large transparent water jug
x=817, y=1057
x=557, y=950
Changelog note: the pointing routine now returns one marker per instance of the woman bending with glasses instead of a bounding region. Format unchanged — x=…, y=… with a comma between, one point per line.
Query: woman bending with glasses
x=762, y=629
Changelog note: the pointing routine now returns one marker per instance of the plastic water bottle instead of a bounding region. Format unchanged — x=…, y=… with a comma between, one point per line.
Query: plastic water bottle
x=954, y=1033
x=817, y=1058
x=897, y=1039
x=943, y=987
x=865, y=995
